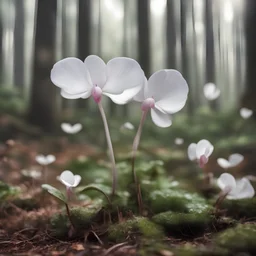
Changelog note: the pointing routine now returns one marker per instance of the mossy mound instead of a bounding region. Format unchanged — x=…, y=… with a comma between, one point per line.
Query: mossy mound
x=176, y=201
x=27, y=204
x=240, y=239
x=191, y=250
x=134, y=227
x=240, y=208
x=183, y=224
x=81, y=217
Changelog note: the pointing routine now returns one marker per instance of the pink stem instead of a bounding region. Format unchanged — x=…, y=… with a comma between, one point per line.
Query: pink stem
x=134, y=151
x=110, y=147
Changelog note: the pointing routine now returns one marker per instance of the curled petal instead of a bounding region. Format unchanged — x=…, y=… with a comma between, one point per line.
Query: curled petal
x=124, y=97
x=160, y=119
x=243, y=189
x=169, y=89
x=192, y=151
x=235, y=159
x=140, y=96
x=67, y=178
x=97, y=69
x=123, y=73
x=204, y=147
x=71, y=76
x=83, y=95
x=223, y=163
x=226, y=180
x=77, y=180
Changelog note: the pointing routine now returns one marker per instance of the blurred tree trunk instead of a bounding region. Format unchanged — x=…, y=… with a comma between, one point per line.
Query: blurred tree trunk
x=84, y=31
x=171, y=35
x=209, y=42
x=143, y=35
x=42, y=98
x=19, y=44
x=250, y=36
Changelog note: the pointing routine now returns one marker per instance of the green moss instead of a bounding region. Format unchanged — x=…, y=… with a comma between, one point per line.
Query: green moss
x=239, y=239
x=240, y=208
x=191, y=250
x=184, y=224
x=176, y=201
x=27, y=204
x=138, y=225
x=7, y=191
x=152, y=247
x=82, y=219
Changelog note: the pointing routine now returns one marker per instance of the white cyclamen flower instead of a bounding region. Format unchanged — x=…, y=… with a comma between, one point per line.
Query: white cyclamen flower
x=165, y=93
x=69, y=179
x=120, y=79
x=245, y=113
x=200, y=152
x=179, y=141
x=235, y=189
x=233, y=160
x=128, y=126
x=211, y=92
x=45, y=160
x=71, y=129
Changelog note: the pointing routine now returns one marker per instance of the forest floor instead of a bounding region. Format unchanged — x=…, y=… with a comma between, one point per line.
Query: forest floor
x=26, y=216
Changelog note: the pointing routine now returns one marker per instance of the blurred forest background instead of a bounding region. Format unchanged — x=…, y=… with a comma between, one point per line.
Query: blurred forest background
x=206, y=40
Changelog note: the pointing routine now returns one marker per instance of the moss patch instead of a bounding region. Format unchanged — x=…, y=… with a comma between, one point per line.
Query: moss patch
x=183, y=224
x=82, y=219
x=240, y=208
x=133, y=227
x=239, y=239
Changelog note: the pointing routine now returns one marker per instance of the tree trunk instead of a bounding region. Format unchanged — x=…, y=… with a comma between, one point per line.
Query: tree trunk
x=42, y=98
x=144, y=36
x=250, y=35
x=171, y=35
x=84, y=44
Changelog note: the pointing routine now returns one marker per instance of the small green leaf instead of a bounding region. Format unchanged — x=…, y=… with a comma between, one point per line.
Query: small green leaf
x=55, y=192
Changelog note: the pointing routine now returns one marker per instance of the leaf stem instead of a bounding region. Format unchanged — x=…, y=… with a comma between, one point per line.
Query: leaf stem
x=110, y=147
x=90, y=187
x=135, y=146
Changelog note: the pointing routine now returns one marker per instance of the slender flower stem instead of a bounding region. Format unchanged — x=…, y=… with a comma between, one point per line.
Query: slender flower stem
x=135, y=146
x=221, y=198
x=69, y=216
x=110, y=147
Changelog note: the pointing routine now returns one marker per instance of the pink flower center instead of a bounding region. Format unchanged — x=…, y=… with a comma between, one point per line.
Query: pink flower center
x=148, y=104
x=202, y=161
x=96, y=93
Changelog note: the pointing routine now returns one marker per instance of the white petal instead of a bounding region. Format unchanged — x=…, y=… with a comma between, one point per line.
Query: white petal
x=179, y=141
x=204, y=147
x=235, y=159
x=83, y=95
x=226, y=180
x=67, y=178
x=169, y=90
x=128, y=126
x=71, y=76
x=223, y=163
x=192, y=151
x=244, y=189
x=66, y=127
x=140, y=96
x=123, y=73
x=211, y=92
x=77, y=180
x=245, y=113
x=41, y=159
x=160, y=119
x=76, y=128
x=97, y=69
x=50, y=159
x=124, y=97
